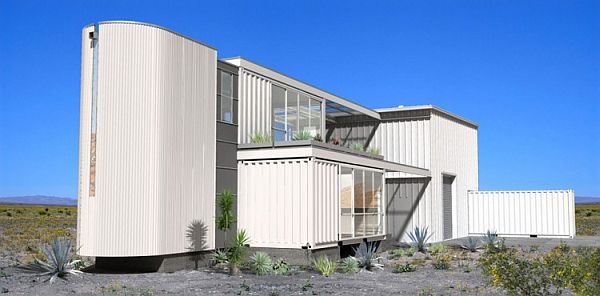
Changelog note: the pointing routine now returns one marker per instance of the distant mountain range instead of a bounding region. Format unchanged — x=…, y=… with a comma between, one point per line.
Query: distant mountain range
x=587, y=199
x=39, y=200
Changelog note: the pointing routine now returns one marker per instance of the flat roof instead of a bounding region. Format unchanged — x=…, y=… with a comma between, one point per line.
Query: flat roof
x=286, y=79
x=429, y=107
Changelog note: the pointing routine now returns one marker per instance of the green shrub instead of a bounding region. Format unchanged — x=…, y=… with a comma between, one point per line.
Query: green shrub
x=374, y=151
x=441, y=263
x=260, y=263
x=396, y=253
x=518, y=274
x=219, y=256
x=260, y=138
x=237, y=251
x=357, y=147
x=404, y=268
x=42, y=213
x=437, y=248
x=226, y=217
x=324, y=265
x=303, y=135
x=280, y=266
x=349, y=265
x=410, y=251
x=419, y=237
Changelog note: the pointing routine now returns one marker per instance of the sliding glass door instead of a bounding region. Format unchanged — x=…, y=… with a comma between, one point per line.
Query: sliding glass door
x=361, y=203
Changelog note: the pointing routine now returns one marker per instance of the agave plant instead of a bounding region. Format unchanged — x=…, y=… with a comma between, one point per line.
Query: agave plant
x=471, y=244
x=374, y=151
x=303, y=135
x=57, y=262
x=357, y=147
x=260, y=138
x=490, y=238
x=419, y=237
x=366, y=255
x=261, y=263
x=219, y=256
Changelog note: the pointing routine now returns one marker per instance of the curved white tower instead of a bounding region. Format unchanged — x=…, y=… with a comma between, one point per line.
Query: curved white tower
x=147, y=142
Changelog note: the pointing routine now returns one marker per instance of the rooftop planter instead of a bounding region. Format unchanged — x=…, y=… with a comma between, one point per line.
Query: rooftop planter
x=314, y=143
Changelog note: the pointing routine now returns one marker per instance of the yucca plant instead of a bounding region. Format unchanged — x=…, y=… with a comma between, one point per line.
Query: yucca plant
x=226, y=217
x=261, y=263
x=350, y=265
x=260, y=138
x=324, y=265
x=471, y=244
x=419, y=237
x=366, y=254
x=357, y=147
x=303, y=135
x=237, y=252
x=57, y=261
x=490, y=238
x=374, y=151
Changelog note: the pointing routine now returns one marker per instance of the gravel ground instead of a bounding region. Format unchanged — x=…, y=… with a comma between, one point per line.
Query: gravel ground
x=424, y=281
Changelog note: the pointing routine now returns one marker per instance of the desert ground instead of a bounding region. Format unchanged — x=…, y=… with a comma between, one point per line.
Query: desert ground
x=24, y=228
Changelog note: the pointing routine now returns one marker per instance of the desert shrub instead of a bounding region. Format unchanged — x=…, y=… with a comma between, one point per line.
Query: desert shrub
x=303, y=135
x=577, y=269
x=471, y=244
x=42, y=213
x=349, y=265
x=8, y=214
x=419, y=237
x=518, y=274
x=374, y=151
x=396, y=253
x=437, y=248
x=357, y=147
x=441, y=262
x=401, y=268
x=56, y=260
x=280, y=266
x=219, y=256
x=260, y=138
x=410, y=251
x=226, y=217
x=366, y=254
x=324, y=265
x=260, y=263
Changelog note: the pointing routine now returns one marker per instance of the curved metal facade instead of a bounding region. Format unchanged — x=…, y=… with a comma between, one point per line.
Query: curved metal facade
x=155, y=143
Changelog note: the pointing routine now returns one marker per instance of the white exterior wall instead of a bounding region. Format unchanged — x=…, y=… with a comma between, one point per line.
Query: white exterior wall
x=408, y=142
x=156, y=129
x=522, y=213
x=255, y=105
x=454, y=151
x=443, y=145
x=288, y=203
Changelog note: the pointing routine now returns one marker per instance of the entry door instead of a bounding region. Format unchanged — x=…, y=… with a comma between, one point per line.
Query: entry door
x=447, y=200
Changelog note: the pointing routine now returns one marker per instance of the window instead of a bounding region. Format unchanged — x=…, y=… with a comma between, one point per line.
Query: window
x=226, y=97
x=361, y=204
x=294, y=111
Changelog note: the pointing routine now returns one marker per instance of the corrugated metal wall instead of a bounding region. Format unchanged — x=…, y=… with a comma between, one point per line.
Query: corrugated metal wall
x=402, y=197
x=288, y=203
x=522, y=213
x=155, y=179
x=255, y=106
x=453, y=153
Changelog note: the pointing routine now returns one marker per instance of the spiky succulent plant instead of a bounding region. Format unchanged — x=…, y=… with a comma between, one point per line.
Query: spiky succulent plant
x=57, y=261
x=419, y=237
x=471, y=244
x=366, y=254
x=261, y=263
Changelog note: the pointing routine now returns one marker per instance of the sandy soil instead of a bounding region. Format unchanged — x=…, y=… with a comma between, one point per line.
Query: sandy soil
x=424, y=281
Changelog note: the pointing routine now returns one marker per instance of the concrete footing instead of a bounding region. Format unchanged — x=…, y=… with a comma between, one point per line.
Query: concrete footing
x=163, y=263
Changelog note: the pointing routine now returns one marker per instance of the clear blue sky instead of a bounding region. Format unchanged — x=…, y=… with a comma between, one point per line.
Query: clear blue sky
x=527, y=71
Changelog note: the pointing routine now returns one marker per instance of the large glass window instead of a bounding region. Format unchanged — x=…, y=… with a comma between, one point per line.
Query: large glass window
x=278, y=102
x=294, y=111
x=226, y=97
x=361, y=203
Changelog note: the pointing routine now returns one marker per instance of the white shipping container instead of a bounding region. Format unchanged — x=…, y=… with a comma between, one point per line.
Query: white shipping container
x=522, y=213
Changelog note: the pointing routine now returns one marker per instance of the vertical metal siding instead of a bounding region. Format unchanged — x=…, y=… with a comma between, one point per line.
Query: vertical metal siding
x=255, y=105
x=522, y=213
x=454, y=152
x=288, y=203
x=155, y=144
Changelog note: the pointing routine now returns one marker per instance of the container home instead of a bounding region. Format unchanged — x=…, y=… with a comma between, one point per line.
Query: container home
x=166, y=126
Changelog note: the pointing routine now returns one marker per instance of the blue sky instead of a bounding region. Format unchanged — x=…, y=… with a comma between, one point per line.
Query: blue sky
x=527, y=71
